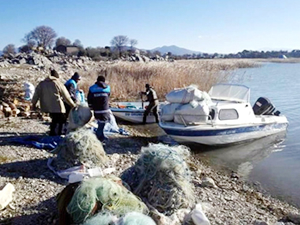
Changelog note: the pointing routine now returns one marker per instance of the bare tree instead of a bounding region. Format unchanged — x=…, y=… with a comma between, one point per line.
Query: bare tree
x=9, y=49
x=133, y=43
x=119, y=42
x=62, y=41
x=42, y=36
x=29, y=42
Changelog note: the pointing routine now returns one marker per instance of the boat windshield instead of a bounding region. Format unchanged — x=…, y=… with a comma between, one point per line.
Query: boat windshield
x=230, y=92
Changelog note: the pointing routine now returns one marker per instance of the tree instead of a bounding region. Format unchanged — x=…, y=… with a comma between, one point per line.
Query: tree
x=24, y=48
x=9, y=49
x=119, y=42
x=77, y=43
x=157, y=53
x=43, y=36
x=133, y=43
x=29, y=42
x=62, y=41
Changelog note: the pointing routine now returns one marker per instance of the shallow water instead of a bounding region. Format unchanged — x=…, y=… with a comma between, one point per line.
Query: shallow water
x=274, y=163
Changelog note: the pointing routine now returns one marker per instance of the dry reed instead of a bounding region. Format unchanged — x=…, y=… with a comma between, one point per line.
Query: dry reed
x=127, y=79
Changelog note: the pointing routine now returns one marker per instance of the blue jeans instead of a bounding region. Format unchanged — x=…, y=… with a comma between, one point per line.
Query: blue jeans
x=100, y=131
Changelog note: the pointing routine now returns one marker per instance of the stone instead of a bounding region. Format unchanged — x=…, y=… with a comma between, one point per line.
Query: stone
x=208, y=182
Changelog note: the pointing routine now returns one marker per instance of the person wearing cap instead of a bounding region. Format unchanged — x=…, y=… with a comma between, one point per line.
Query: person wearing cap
x=51, y=94
x=72, y=88
x=98, y=100
x=153, y=103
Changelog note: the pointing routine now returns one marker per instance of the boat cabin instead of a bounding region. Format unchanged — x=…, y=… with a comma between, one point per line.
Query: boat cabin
x=231, y=104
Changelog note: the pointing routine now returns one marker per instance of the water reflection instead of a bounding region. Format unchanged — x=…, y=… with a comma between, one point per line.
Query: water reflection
x=240, y=158
x=243, y=157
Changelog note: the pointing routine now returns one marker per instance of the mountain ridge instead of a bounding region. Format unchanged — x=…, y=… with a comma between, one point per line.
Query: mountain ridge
x=175, y=50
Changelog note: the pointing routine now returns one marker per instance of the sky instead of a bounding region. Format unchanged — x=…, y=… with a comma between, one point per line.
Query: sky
x=210, y=26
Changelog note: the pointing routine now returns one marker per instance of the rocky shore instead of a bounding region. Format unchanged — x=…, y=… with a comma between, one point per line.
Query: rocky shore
x=225, y=199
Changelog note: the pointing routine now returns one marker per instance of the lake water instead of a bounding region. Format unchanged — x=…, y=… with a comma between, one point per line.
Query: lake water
x=273, y=163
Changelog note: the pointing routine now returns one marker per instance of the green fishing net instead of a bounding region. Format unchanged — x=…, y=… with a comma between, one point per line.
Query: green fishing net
x=81, y=147
x=162, y=178
x=104, y=194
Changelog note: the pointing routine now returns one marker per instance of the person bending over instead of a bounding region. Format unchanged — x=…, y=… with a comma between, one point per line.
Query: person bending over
x=153, y=103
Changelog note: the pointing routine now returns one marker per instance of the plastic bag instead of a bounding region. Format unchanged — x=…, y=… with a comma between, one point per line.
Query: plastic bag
x=80, y=97
x=29, y=90
x=198, y=216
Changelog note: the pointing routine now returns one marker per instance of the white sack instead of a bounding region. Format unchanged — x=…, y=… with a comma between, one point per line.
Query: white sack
x=207, y=98
x=198, y=216
x=6, y=195
x=192, y=113
x=167, y=111
x=184, y=95
x=29, y=90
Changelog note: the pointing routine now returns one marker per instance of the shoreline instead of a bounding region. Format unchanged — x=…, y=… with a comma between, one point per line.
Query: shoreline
x=227, y=200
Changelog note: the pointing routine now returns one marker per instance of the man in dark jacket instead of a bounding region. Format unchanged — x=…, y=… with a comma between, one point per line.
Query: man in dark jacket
x=98, y=100
x=153, y=103
x=72, y=88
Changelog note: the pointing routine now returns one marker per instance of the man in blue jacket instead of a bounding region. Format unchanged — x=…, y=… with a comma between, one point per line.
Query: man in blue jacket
x=98, y=100
x=72, y=88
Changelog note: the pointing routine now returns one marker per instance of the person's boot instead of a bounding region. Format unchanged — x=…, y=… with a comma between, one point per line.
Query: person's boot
x=52, y=129
x=144, y=120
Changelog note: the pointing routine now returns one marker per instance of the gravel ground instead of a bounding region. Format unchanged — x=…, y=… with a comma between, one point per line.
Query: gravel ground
x=229, y=201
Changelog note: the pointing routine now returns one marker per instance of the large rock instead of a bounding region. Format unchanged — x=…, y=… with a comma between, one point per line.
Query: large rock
x=39, y=60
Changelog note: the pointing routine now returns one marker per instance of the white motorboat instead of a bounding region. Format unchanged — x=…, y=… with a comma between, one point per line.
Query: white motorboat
x=132, y=112
x=229, y=119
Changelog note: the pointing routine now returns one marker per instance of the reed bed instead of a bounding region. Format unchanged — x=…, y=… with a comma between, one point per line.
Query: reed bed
x=128, y=79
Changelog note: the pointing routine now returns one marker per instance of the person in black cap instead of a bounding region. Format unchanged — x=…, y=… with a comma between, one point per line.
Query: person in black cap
x=98, y=100
x=72, y=88
x=153, y=103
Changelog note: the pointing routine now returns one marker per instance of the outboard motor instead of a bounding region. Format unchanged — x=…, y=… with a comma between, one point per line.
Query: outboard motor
x=263, y=106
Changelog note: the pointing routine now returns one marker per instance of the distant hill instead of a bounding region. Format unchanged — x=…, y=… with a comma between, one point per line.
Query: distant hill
x=175, y=50
x=1, y=53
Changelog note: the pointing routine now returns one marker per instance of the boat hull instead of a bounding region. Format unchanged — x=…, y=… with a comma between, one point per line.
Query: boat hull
x=222, y=135
x=132, y=112
x=133, y=116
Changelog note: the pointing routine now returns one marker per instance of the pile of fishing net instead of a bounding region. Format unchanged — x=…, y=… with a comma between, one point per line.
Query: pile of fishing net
x=162, y=178
x=102, y=194
x=132, y=218
x=80, y=147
